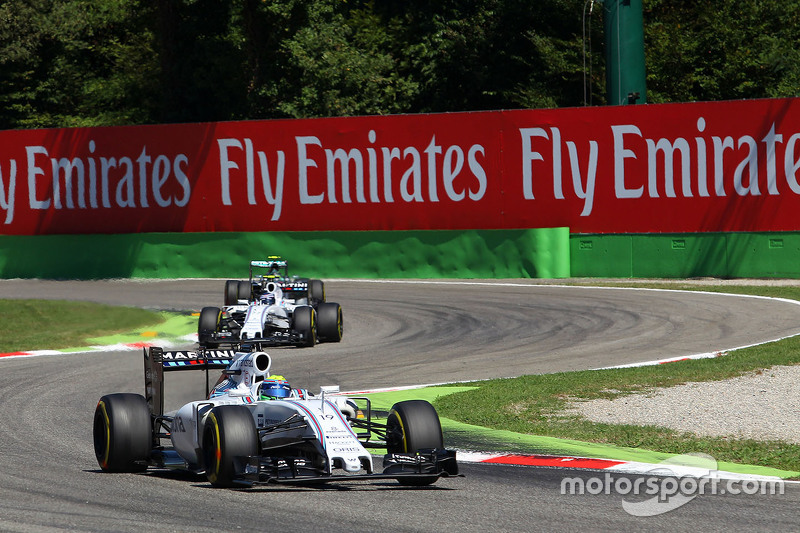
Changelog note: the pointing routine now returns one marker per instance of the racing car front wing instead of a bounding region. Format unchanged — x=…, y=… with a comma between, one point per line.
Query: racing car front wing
x=275, y=337
x=426, y=464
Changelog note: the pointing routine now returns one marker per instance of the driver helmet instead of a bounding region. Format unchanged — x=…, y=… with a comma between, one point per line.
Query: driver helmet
x=268, y=298
x=274, y=387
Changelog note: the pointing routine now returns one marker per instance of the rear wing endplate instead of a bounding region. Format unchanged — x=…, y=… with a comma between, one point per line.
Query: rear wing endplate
x=157, y=361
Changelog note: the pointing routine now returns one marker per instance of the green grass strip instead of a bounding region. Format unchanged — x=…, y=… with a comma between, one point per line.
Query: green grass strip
x=173, y=327
x=55, y=324
x=494, y=439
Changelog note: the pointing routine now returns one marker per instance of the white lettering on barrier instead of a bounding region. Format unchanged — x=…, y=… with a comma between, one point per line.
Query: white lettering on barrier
x=751, y=163
x=620, y=155
x=344, y=159
x=660, y=156
x=772, y=175
x=303, y=164
x=74, y=181
x=585, y=193
x=363, y=175
x=33, y=171
x=429, y=170
x=7, y=190
x=225, y=166
x=746, y=180
x=412, y=176
x=351, y=174
x=273, y=193
x=478, y=171
x=528, y=157
x=791, y=165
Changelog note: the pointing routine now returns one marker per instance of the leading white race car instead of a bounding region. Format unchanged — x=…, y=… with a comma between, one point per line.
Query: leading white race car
x=271, y=309
x=254, y=429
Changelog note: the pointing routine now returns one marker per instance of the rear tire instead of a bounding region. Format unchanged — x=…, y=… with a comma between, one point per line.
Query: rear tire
x=245, y=290
x=305, y=321
x=413, y=425
x=207, y=325
x=231, y=292
x=330, y=323
x=123, y=433
x=229, y=433
x=316, y=290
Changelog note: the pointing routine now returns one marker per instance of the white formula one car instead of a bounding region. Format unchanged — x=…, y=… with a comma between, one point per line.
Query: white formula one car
x=271, y=309
x=254, y=429
x=274, y=269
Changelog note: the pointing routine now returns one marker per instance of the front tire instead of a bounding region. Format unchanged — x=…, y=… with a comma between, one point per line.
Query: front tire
x=207, y=325
x=123, y=433
x=304, y=320
x=330, y=323
x=229, y=435
x=411, y=426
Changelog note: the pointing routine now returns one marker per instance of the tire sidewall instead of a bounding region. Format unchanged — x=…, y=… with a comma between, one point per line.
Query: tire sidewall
x=123, y=432
x=413, y=425
x=231, y=292
x=244, y=290
x=316, y=290
x=304, y=320
x=208, y=323
x=229, y=432
x=330, y=322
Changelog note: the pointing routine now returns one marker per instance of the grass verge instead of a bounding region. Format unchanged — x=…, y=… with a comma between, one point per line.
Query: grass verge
x=536, y=404
x=54, y=324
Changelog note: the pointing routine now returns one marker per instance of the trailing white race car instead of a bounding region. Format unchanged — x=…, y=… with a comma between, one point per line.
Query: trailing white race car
x=254, y=428
x=271, y=309
x=274, y=269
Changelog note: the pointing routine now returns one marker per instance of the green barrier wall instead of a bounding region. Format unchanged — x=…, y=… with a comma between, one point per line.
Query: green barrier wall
x=723, y=255
x=527, y=253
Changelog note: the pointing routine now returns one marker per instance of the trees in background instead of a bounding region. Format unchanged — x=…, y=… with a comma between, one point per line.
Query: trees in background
x=76, y=63
x=721, y=50
x=114, y=62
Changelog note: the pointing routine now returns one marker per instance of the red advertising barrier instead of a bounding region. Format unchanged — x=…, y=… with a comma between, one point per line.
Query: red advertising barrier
x=722, y=166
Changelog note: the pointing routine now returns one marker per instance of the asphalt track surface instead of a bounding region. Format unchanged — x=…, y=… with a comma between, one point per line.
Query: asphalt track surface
x=395, y=334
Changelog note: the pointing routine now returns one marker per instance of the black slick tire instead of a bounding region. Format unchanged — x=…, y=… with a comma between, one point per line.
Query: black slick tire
x=413, y=425
x=316, y=291
x=207, y=325
x=123, y=433
x=330, y=325
x=304, y=320
x=231, y=292
x=229, y=435
x=245, y=290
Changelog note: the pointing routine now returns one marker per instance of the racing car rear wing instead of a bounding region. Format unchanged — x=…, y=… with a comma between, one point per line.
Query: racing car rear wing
x=157, y=361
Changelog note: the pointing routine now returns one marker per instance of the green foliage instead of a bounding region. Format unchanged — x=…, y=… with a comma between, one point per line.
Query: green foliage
x=74, y=63
x=115, y=62
x=723, y=50
x=341, y=66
